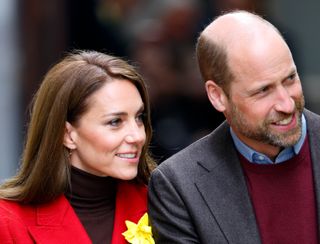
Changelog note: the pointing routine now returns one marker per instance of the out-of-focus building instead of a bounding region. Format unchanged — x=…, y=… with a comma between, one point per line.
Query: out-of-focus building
x=9, y=89
x=156, y=35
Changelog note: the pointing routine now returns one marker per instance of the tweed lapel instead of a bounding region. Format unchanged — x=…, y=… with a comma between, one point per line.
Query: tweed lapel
x=313, y=126
x=58, y=223
x=224, y=190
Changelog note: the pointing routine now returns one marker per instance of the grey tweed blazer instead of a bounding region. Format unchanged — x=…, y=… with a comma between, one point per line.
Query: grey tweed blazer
x=199, y=195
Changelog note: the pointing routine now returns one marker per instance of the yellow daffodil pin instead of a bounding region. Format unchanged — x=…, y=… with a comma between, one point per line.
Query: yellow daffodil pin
x=139, y=233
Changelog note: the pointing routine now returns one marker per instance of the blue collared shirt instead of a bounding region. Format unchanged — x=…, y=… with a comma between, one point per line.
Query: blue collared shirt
x=259, y=158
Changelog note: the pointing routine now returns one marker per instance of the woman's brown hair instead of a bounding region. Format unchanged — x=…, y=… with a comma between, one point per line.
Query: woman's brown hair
x=45, y=169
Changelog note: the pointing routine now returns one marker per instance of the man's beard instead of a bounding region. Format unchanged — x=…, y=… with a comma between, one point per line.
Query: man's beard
x=261, y=132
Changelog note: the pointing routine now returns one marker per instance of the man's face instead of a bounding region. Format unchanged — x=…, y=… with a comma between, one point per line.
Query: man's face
x=265, y=100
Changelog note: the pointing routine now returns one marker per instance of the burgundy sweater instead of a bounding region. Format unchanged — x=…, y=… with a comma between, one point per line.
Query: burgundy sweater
x=283, y=198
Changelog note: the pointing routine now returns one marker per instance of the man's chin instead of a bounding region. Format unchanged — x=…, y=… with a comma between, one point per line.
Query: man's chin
x=285, y=140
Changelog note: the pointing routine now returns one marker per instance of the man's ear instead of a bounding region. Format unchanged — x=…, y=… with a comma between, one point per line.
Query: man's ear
x=216, y=95
x=69, y=136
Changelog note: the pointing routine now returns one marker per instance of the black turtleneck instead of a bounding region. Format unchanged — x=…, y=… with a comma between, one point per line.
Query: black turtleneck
x=93, y=199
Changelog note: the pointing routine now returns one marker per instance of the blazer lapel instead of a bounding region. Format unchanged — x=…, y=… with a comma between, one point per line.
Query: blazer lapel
x=313, y=126
x=57, y=223
x=131, y=204
x=224, y=190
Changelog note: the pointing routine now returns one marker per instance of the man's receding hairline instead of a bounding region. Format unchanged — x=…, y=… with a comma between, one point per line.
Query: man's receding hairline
x=237, y=18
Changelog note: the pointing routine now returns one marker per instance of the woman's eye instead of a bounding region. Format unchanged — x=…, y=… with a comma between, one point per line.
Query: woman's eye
x=141, y=117
x=114, y=122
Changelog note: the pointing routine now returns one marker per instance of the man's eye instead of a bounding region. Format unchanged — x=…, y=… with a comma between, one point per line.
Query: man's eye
x=292, y=77
x=263, y=90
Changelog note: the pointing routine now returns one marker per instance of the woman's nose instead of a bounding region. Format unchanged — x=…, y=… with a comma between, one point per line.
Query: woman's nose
x=136, y=134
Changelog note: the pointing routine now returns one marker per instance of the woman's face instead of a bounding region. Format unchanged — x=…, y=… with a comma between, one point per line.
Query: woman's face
x=108, y=138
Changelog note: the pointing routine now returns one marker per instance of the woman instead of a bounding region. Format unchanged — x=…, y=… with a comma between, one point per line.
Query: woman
x=85, y=164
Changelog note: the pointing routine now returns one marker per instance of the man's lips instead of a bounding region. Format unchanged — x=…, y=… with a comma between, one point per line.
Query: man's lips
x=285, y=121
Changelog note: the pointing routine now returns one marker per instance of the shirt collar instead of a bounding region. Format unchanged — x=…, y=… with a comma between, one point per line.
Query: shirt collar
x=260, y=158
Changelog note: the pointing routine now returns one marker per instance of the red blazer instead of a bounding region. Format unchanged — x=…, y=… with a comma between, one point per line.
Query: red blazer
x=56, y=222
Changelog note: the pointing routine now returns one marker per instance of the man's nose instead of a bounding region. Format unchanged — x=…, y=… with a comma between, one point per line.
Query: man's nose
x=284, y=102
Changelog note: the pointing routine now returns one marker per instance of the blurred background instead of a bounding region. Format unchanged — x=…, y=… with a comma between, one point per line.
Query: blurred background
x=158, y=36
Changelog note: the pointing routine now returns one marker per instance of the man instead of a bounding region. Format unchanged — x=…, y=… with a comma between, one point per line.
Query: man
x=256, y=178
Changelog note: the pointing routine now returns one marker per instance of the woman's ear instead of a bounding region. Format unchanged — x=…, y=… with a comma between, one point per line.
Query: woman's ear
x=69, y=136
x=216, y=95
